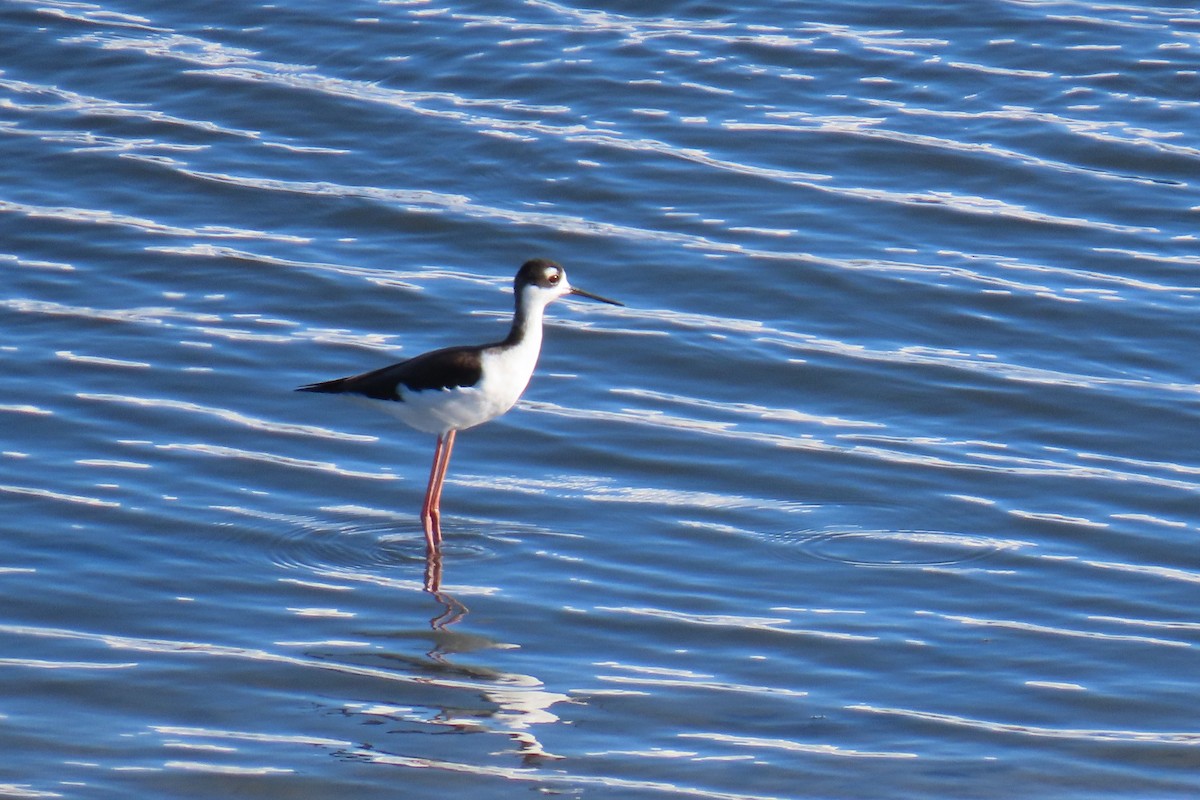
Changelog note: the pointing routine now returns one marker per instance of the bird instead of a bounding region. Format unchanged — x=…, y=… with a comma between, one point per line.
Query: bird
x=454, y=388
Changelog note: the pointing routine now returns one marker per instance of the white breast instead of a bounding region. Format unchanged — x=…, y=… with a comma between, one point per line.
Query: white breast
x=506, y=373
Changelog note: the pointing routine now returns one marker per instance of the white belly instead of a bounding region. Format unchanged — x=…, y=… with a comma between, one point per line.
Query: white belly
x=506, y=373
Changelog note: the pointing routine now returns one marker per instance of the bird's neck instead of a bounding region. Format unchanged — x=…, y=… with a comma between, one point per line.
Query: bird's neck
x=526, y=324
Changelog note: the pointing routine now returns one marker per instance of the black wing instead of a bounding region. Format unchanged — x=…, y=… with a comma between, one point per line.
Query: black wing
x=447, y=368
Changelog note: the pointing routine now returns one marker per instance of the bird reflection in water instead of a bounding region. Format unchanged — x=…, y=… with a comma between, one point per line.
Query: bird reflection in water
x=453, y=610
x=519, y=700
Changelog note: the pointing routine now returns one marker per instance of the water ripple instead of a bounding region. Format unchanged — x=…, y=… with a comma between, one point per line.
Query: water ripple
x=1092, y=736
x=790, y=745
x=106, y=218
x=738, y=622
x=865, y=548
x=50, y=494
x=258, y=456
x=1030, y=627
x=944, y=454
x=342, y=554
x=226, y=415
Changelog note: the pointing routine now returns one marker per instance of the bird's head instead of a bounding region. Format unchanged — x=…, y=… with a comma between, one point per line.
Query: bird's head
x=540, y=281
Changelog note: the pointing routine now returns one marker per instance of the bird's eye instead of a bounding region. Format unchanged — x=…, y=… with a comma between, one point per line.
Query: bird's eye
x=552, y=278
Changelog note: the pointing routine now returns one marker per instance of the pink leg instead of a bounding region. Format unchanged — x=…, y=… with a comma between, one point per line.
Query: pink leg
x=431, y=508
x=433, y=534
x=452, y=610
x=447, y=446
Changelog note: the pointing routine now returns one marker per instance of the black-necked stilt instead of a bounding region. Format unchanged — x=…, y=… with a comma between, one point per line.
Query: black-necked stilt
x=448, y=390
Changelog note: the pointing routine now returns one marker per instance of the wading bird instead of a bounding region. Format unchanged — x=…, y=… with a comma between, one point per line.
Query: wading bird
x=448, y=390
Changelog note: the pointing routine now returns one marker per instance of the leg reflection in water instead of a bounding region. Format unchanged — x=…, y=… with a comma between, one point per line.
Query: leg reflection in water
x=512, y=703
x=452, y=609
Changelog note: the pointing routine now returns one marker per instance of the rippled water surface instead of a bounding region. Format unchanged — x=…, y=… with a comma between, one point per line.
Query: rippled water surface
x=883, y=484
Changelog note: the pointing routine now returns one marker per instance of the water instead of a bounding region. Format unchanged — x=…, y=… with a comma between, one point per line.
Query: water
x=884, y=484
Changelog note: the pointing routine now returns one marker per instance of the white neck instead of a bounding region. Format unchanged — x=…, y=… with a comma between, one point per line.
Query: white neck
x=527, y=319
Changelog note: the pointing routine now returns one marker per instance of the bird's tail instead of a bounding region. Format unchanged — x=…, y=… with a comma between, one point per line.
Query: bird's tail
x=335, y=386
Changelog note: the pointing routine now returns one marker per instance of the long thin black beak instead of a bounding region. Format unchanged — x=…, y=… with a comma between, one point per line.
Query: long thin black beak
x=582, y=293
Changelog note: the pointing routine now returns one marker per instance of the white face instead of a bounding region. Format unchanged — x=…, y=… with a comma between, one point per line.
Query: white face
x=551, y=283
x=556, y=279
x=541, y=281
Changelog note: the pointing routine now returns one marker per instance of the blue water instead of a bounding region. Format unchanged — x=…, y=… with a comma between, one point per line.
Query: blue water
x=884, y=483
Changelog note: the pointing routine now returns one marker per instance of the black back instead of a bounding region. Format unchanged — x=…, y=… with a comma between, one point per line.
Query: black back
x=447, y=368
